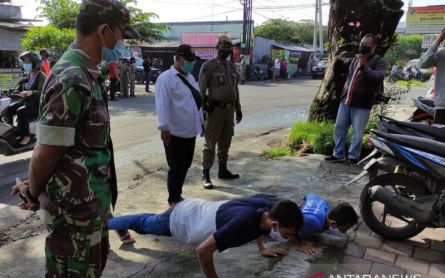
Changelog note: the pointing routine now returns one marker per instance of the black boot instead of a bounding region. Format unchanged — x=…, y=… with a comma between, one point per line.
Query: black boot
x=206, y=182
x=225, y=174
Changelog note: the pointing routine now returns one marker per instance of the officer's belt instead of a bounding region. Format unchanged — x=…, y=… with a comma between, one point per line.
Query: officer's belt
x=223, y=104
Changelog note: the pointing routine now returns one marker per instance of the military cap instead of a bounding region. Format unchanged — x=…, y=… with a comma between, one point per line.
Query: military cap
x=111, y=11
x=224, y=40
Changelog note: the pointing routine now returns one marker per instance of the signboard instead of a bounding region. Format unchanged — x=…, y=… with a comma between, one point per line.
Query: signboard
x=206, y=53
x=201, y=39
x=429, y=40
x=9, y=78
x=425, y=20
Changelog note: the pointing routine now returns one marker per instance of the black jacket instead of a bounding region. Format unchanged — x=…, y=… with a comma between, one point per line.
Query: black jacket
x=362, y=84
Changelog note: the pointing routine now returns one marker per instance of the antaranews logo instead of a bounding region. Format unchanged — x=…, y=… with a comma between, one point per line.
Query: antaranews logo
x=321, y=275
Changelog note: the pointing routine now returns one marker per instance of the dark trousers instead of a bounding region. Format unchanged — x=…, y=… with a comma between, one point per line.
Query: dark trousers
x=24, y=111
x=179, y=153
x=113, y=88
x=147, y=80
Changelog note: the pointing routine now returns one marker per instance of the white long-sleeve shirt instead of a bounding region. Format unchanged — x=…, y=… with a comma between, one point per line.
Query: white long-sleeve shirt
x=175, y=105
x=435, y=57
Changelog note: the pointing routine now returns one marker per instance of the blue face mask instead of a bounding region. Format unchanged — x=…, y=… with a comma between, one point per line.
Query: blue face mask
x=27, y=68
x=114, y=54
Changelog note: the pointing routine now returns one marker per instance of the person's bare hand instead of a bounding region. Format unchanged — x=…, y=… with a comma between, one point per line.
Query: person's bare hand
x=166, y=137
x=342, y=56
x=273, y=252
x=441, y=36
x=25, y=94
x=23, y=190
x=306, y=248
x=20, y=188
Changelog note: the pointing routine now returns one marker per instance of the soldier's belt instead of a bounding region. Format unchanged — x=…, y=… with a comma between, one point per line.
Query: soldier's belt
x=225, y=104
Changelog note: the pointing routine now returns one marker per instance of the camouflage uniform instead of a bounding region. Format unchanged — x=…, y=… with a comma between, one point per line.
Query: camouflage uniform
x=74, y=114
x=124, y=74
x=132, y=79
x=219, y=82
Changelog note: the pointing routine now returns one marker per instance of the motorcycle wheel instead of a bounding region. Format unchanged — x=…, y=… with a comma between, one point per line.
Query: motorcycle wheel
x=379, y=220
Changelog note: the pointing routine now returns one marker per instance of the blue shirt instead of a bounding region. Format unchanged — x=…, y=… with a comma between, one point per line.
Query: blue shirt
x=238, y=222
x=315, y=211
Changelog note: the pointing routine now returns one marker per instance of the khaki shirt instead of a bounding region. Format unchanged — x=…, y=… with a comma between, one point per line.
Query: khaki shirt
x=219, y=81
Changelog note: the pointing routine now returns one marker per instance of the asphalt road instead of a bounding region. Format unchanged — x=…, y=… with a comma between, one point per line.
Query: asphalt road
x=134, y=123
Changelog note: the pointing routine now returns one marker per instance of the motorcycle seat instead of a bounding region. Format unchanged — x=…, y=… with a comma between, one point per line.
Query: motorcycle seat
x=420, y=143
x=427, y=102
x=437, y=132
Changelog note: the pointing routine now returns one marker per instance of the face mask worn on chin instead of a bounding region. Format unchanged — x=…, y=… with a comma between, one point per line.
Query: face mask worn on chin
x=275, y=235
x=27, y=67
x=188, y=67
x=363, y=49
x=224, y=53
x=335, y=232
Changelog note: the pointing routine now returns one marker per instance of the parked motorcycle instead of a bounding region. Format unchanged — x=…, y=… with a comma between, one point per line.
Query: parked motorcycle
x=8, y=133
x=424, y=112
x=400, y=204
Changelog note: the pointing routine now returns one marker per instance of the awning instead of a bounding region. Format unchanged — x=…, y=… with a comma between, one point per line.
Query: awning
x=291, y=47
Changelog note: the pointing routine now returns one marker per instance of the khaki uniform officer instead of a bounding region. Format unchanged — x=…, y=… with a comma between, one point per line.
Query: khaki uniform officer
x=218, y=82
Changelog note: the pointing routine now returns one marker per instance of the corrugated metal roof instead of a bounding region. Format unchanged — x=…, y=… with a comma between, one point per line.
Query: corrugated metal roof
x=14, y=26
x=291, y=47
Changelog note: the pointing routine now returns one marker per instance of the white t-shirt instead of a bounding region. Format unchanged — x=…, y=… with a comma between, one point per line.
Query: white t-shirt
x=277, y=64
x=193, y=220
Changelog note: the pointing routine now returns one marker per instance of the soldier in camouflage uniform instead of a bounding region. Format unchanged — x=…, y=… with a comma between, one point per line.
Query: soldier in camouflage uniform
x=218, y=81
x=72, y=168
x=124, y=76
x=132, y=76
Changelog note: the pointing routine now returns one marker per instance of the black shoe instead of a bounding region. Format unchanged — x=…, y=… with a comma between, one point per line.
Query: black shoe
x=353, y=161
x=225, y=174
x=333, y=159
x=206, y=181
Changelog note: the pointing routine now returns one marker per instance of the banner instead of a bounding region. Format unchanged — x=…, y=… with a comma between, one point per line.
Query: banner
x=425, y=20
x=428, y=41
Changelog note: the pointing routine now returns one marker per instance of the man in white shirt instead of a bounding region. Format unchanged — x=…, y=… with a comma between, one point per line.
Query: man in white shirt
x=179, y=109
x=276, y=69
x=219, y=225
x=435, y=57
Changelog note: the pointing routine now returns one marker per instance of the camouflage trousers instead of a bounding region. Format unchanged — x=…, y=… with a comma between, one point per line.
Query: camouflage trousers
x=219, y=130
x=76, y=251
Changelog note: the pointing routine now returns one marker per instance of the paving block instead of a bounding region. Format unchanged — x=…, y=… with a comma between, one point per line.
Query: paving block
x=438, y=245
x=369, y=241
x=412, y=264
x=379, y=256
x=364, y=229
x=437, y=270
x=419, y=241
x=429, y=255
x=384, y=269
x=399, y=248
x=355, y=250
x=356, y=265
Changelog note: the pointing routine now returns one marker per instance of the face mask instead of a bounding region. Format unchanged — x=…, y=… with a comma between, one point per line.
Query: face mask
x=275, y=235
x=363, y=49
x=224, y=53
x=27, y=67
x=335, y=232
x=188, y=67
x=114, y=54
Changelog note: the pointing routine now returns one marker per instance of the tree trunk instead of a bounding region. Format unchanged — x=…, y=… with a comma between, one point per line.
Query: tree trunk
x=349, y=20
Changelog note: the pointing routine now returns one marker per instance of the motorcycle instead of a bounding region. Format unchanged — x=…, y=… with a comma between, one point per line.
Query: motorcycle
x=8, y=134
x=400, y=204
x=424, y=112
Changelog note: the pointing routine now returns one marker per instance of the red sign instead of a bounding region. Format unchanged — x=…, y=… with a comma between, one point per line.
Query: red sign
x=201, y=39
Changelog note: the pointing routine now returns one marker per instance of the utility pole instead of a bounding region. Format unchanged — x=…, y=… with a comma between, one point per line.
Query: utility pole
x=247, y=25
x=314, y=44
x=320, y=24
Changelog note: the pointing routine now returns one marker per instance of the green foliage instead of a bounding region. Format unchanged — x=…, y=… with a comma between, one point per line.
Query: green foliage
x=410, y=83
x=60, y=13
x=55, y=40
x=276, y=152
x=141, y=21
x=406, y=47
x=287, y=30
x=316, y=136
